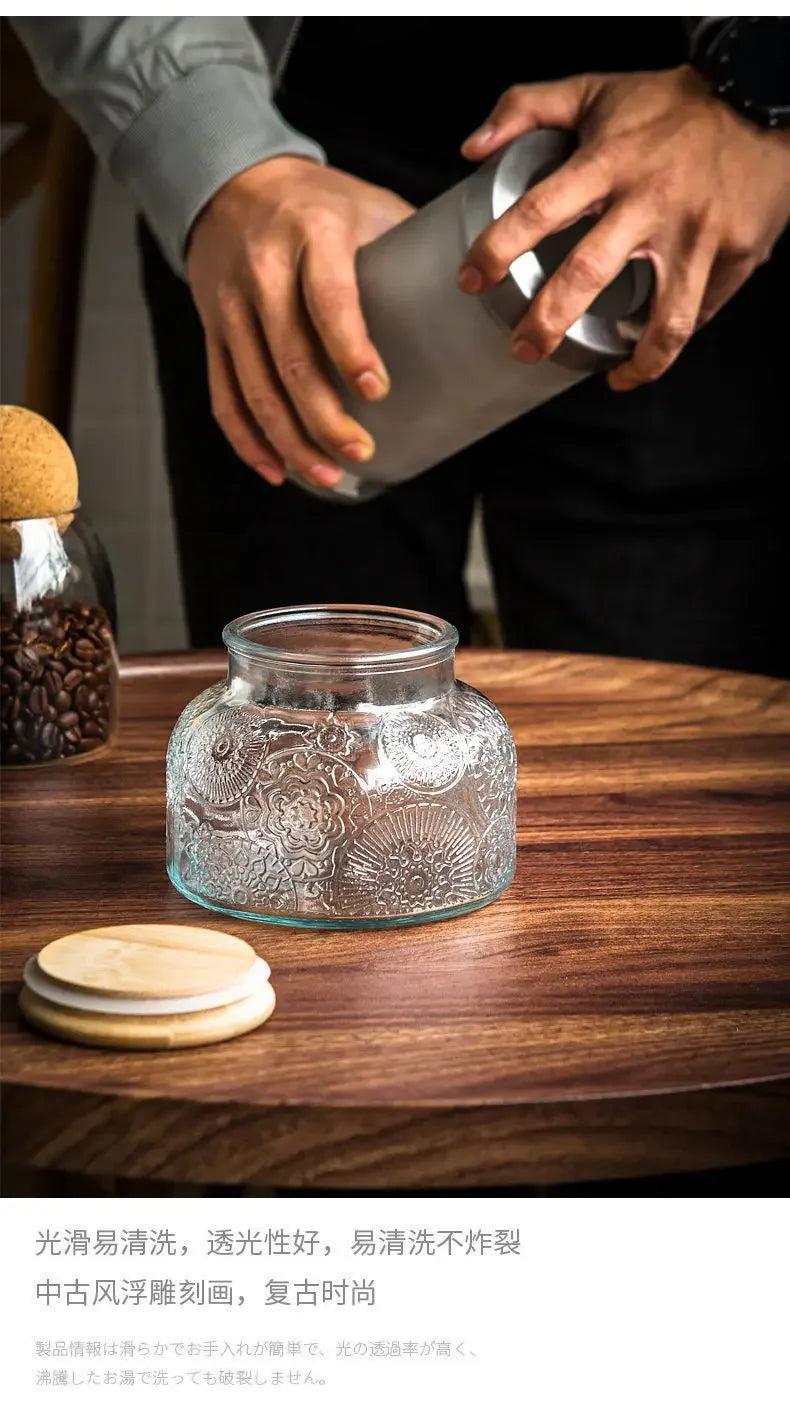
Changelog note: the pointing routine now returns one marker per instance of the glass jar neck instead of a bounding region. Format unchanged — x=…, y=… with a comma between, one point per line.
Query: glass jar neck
x=339, y=658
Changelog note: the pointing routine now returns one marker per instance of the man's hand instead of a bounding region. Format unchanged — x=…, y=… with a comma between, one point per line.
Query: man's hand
x=271, y=269
x=679, y=178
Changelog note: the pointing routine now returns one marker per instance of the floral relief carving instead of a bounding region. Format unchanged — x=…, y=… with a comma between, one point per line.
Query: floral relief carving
x=231, y=868
x=495, y=856
x=490, y=751
x=422, y=749
x=402, y=813
x=302, y=803
x=333, y=737
x=420, y=858
x=224, y=754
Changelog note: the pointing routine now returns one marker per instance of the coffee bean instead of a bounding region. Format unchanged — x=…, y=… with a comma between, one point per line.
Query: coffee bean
x=59, y=677
x=38, y=700
x=25, y=660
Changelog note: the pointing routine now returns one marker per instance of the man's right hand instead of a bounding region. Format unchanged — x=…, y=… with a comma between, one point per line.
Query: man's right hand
x=271, y=269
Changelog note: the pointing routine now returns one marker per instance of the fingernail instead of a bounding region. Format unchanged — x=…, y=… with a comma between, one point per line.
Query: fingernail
x=483, y=135
x=372, y=385
x=325, y=474
x=525, y=352
x=470, y=280
x=622, y=382
x=357, y=451
x=270, y=472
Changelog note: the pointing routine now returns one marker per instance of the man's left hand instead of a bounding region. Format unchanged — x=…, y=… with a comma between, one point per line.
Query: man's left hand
x=676, y=176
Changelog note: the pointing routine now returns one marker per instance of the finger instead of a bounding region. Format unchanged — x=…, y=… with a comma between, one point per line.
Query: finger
x=527, y=106
x=583, y=180
x=673, y=319
x=329, y=287
x=267, y=401
x=300, y=368
x=230, y=412
x=591, y=265
x=727, y=277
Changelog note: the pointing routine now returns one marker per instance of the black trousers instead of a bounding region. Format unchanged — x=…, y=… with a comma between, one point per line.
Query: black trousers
x=652, y=524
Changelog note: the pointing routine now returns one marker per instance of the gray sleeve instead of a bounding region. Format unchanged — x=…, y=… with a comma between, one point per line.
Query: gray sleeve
x=173, y=107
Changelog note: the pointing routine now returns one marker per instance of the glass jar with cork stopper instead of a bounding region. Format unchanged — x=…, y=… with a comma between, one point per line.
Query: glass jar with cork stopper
x=59, y=667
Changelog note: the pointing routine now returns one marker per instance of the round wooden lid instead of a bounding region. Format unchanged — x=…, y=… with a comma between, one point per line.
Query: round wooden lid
x=159, y=1031
x=148, y=962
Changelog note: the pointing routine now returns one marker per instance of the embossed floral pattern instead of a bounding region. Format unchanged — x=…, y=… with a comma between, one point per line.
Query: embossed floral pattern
x=178, y=745
x=236, y=871
x=422, y=748
x=495, y=857
x=490, y=751
x=419, y=859
x=223, y=756
x=331, y=736
x=405, y=812
x=298, y=806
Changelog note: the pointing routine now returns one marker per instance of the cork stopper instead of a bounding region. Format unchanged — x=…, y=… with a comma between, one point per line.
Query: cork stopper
x=38, y=474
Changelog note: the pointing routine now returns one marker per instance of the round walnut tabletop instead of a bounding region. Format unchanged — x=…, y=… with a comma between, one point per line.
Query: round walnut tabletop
x=624, y=1010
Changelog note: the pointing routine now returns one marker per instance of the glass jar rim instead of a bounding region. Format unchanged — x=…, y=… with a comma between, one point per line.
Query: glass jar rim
x=37, y=518
x=434, y=639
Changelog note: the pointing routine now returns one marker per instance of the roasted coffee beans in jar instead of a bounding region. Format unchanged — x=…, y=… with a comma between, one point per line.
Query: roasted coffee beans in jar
x=59, y=681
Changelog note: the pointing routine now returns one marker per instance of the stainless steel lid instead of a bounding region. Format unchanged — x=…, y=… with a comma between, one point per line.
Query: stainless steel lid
x=607, y=331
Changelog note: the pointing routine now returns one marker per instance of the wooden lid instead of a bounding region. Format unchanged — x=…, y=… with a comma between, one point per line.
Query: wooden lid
x=148, y=962
x=161, y=1031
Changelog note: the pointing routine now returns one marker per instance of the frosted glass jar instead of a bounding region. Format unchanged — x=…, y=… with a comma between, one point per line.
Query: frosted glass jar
x=340, y=776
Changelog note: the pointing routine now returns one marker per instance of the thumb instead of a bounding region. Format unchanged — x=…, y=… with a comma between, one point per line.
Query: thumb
x=525, y=107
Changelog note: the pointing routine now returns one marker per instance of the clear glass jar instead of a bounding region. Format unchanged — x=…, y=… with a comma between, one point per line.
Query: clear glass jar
x=59, y=682
x=341, y=776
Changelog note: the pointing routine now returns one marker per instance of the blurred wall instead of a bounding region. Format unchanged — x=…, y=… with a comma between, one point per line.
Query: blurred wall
x=117, y=427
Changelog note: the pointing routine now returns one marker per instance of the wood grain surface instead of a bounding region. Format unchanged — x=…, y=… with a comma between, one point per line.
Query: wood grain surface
x=624, y=1010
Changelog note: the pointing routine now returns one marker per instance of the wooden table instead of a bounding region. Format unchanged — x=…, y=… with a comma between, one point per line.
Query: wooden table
x=624, y=1010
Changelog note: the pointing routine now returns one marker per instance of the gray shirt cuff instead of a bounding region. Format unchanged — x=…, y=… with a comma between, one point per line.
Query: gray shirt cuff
x=203, y=129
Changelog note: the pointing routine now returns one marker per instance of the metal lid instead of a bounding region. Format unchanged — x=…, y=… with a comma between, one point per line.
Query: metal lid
x=606, y=333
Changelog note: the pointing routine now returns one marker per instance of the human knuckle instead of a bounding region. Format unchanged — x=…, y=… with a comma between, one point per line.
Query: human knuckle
x=231, y=305
x=535, y=208
x=585, y=270
x=673, y=331
x=263, y=405
x=513, y=97
x=296, y=368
